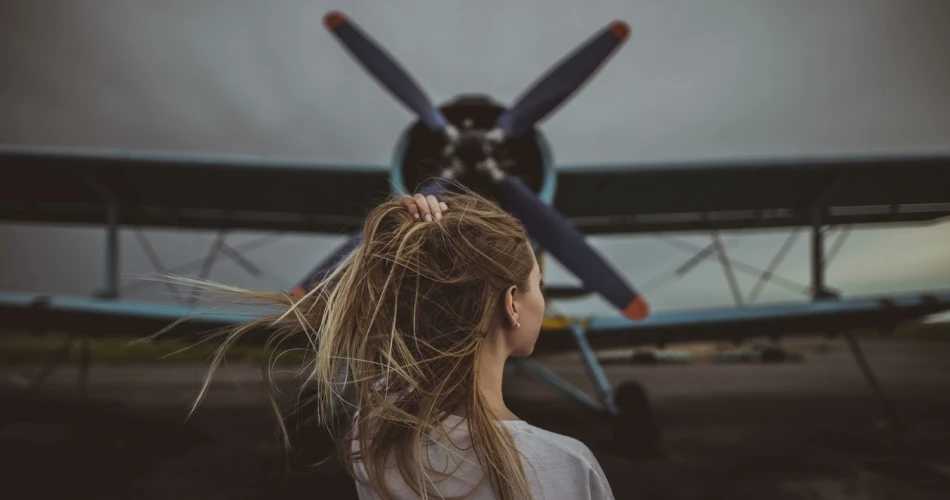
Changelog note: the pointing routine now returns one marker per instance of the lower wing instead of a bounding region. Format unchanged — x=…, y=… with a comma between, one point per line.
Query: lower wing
x=99, y=318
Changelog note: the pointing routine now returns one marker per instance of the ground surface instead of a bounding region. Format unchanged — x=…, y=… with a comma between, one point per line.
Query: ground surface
x=796, y=431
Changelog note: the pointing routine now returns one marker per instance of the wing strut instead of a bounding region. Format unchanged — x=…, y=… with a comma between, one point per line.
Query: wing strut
x=636, y=432
x=594, y=370
x=821, y=292
x=156, y=262
x=727, y=268
x=773, y=265
x=110, y=290
x=738, y=265
x=206, y=266
x=890, y=415
x=534, y=369
x=836, y=246
x=818, y=209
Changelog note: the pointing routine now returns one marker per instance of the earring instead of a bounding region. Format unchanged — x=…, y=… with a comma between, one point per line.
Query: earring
x=518, y=325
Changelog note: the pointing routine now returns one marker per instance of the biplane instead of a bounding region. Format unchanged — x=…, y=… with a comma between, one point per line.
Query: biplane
x=500, y=151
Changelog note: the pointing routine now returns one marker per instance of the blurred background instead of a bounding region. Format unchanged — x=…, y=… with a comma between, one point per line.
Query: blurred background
x=696, y=80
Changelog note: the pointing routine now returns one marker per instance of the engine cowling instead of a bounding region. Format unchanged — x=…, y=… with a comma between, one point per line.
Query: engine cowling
x=420, y=153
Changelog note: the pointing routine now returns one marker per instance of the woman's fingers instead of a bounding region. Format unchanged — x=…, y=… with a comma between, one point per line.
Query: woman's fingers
x=410, y=205
x=422, y=207
x=434, y=207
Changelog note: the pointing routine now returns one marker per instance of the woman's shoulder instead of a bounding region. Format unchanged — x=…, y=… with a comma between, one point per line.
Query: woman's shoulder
x=550, y=445
x=559, y=464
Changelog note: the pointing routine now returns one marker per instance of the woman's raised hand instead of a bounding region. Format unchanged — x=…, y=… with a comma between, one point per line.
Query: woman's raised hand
x=425, y=208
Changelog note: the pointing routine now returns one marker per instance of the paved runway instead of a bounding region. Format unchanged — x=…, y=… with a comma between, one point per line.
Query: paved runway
x=796, y=431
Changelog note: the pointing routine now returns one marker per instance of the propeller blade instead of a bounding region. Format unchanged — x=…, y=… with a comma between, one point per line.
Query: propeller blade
x=328, y=264
x=554, y=88
x=568, y=246
x=435, y=186
x=565, y=292
x=385, y=69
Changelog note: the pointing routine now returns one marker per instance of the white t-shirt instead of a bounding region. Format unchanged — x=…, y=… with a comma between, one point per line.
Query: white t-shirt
x=557, y=467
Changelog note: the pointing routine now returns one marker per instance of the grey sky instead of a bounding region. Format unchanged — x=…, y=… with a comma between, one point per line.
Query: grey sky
x=697, y=79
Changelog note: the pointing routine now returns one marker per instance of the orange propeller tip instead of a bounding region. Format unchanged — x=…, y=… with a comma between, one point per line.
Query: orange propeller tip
x=620, y=29
x=637, y=309
x=333, y=19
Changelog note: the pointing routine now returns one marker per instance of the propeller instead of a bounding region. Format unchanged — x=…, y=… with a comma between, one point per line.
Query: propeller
x=559, y=238
x=475, y=150
x=555, y=87
x=386, y=70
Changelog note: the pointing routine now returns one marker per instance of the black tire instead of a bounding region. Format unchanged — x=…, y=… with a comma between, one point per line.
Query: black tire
x=636, y=432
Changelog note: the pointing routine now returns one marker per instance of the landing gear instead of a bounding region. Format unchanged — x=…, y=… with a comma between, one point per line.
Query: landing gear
x=890, y=416
x=636, y=432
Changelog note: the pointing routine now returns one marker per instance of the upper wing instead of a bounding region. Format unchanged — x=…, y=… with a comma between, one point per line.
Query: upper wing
x=823, y=317
x=749, y=194
x=161, y=189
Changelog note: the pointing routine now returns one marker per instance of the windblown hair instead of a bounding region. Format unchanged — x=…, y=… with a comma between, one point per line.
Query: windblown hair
x=394, y=335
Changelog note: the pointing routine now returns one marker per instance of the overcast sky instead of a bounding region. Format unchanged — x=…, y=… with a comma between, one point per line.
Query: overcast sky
x=698, y=79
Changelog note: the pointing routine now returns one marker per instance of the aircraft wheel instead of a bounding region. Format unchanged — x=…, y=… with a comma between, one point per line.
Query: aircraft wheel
x=636, y=432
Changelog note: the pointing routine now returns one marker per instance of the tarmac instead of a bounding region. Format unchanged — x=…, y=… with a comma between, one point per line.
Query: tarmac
x=805, y=430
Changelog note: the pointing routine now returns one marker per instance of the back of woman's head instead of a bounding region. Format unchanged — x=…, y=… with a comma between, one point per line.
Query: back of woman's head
x=403, y=317
x=412, y=302
x=394, y=335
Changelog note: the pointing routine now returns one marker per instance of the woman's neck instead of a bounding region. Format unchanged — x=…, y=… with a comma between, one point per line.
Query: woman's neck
x=491, y=371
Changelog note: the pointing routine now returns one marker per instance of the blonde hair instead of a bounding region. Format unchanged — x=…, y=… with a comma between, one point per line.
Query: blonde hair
x=397, y=327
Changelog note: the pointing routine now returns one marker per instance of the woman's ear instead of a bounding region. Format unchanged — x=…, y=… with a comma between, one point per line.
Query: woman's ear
x=511, y=306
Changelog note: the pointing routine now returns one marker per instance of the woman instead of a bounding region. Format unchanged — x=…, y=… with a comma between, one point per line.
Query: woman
x=410, y=334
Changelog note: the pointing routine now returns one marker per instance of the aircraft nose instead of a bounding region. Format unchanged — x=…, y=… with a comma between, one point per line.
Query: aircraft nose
x=472, y=149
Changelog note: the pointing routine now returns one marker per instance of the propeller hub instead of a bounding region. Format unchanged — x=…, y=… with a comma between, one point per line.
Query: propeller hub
x=472, y=148
x=423, y=154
